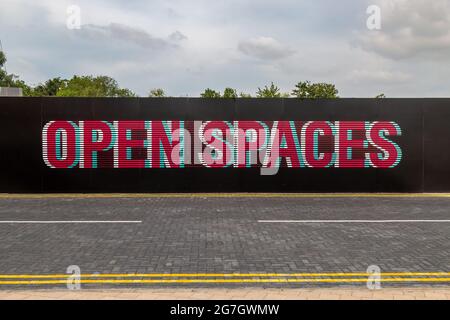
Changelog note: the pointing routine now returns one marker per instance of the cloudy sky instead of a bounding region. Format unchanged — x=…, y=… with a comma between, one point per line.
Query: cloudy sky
x=185, y=46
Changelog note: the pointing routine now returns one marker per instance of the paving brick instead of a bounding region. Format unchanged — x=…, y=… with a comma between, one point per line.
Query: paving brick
x=230, y=294
x=222, y=235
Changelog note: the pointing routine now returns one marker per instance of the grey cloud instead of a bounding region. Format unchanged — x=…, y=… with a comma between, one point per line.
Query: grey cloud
x=121, y=32
x=265, y=48
x=411, y=28
x=177, y=36
x=308, y=40
x=379, y=76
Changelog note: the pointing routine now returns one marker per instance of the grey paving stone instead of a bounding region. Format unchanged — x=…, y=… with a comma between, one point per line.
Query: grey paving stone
x=222, y=235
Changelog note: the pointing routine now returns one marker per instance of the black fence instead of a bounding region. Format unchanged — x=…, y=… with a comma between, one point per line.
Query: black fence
x=422, y=166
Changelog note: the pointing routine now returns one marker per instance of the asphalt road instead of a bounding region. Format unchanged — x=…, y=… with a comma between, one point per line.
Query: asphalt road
x=224, y=235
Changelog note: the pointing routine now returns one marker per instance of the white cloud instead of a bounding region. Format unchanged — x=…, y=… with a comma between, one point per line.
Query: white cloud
x=265, y=48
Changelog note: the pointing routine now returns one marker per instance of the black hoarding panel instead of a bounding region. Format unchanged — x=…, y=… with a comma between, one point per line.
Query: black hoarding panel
x=21, y=150
x=224, y=145
x=436, y=143
x=407, y=175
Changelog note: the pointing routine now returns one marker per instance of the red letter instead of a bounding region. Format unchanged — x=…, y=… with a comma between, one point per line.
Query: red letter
x=216, y=135
x=127, y=143
x=310, y=141
x=348, y=144
x=391, y=153
x=97, y=136
x=257, y=134
x=287, y=145
x=165, y=137
x=282, y=145
x=59, y=144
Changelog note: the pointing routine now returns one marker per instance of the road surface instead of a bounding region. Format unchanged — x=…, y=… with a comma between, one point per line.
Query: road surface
x=223, y=240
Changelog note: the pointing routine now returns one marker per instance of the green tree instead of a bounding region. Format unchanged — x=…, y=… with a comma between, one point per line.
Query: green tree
x=229, y=93
x=49, y=88
x=2, y=59
x=89, y=86
x=269, y=92
x=209, y=93
x=6, y=80
x=244, y=95
x=306, y=89
x=157, y=93
x=11, y=80
x=27, y=91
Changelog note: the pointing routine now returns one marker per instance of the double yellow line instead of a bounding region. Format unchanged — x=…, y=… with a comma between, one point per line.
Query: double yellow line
x=237, y=278
x=221, y=195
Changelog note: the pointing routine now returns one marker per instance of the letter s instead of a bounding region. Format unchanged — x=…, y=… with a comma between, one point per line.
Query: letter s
x=390, y=153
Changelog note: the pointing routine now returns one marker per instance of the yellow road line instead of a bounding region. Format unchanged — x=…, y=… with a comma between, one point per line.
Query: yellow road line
x=222, y=195
x=161, y=281
x=223, y=275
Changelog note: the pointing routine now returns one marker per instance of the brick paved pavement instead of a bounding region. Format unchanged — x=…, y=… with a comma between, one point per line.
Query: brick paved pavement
x=233, y=294
x=222, y=235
